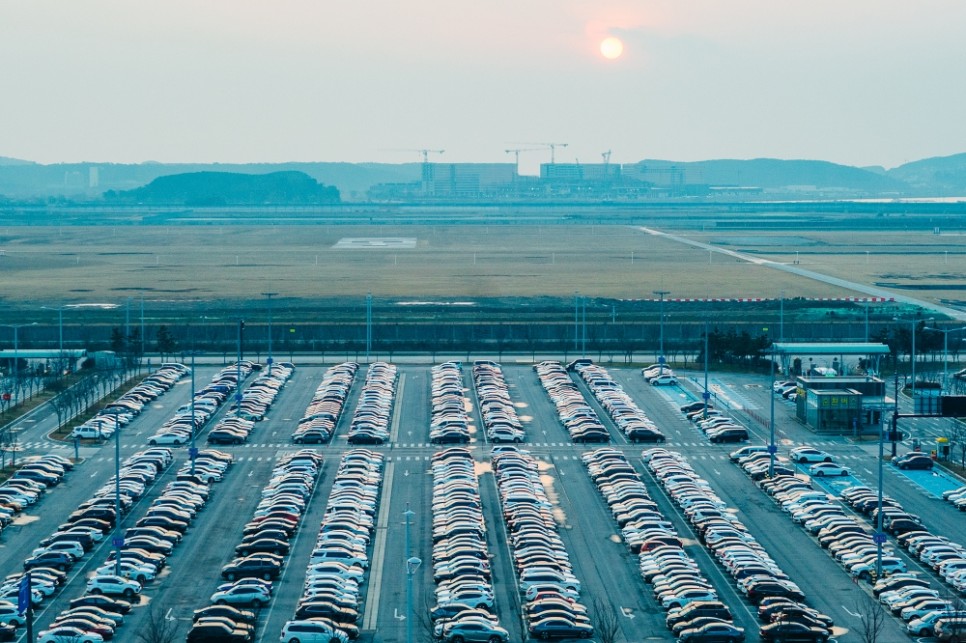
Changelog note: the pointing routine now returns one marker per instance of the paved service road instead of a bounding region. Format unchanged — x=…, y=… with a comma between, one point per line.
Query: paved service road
x=612, y=586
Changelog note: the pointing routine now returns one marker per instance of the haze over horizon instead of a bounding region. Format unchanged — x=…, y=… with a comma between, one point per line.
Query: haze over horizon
x=869, y=82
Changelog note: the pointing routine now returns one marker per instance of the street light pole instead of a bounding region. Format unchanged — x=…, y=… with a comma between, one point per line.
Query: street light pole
x=661, y=359
x=269, y=360
x=945, y=348
x=878, y=536
x=368, y=325
x=238, y=391
x=781, y=319
x=60, y=335
x=192, y=451
x=117, y=540
x=706, y=394
x=772, y=449
x=576, y=320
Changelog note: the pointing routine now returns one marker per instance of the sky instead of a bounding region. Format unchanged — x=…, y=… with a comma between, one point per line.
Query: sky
x=860, y=82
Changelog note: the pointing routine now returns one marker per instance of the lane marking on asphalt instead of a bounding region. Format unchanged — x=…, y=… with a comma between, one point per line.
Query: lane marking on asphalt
x=378, y=553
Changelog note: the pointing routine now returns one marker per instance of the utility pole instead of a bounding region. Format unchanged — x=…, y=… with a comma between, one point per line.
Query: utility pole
x=368, y=325
x=661, y=359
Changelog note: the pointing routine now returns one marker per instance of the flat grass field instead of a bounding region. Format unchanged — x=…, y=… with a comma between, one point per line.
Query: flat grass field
x=182, y=264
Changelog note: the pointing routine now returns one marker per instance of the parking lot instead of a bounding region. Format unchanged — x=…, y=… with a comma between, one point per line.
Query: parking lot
x=619, y=603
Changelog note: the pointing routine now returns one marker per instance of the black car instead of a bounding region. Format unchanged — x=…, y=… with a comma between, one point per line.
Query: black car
x=225, y=611
x=55, y=559
x=713, y=632
x=699, y=608
x=914, y=460
x=217, y=633
x=643, y=434
x=252, y=567
x=559, y=628
x=326, y=609
x=730, y=434
x=116, y=605
x=792, y=631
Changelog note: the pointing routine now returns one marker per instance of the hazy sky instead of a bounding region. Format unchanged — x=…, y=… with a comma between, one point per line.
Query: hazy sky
x=863, y=82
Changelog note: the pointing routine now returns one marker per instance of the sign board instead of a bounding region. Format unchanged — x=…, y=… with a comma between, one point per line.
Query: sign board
x=117, y=541
x=879, y=538
x=192, y=452
x=24, y=594
x=953, y=406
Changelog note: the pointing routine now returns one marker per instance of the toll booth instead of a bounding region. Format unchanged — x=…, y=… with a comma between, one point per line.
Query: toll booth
x=832, y=410
x=851, y=405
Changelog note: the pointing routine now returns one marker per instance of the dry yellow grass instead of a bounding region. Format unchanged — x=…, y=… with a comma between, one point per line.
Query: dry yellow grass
x=204, y=263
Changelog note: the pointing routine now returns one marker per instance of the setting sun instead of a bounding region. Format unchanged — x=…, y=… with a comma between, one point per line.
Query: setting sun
x=611, y=47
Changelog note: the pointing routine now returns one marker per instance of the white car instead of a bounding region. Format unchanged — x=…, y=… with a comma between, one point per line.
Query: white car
x=112, y=585
x=68, y=635
x=246, y=595
x=664, y=380
x=170, y=437
x=91, y=433
x=129, y=570
x=827, y=469
x=71, y=547
x=805, y=454
x=312, y=632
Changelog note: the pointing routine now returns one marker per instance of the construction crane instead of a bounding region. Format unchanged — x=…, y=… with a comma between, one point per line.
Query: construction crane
x=553, y=148
x=516, y=153
x=426, y=152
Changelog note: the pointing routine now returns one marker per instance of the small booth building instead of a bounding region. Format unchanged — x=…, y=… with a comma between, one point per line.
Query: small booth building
x=845, y=398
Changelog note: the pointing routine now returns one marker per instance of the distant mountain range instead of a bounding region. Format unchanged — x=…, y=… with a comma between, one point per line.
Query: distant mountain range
x=933, y=177
x=205, y=189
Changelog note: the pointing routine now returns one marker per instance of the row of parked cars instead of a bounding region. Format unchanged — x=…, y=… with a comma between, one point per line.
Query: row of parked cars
x=623, y=411
x=956, y=497
x=28, y=484
x=95, y=616
x=756, y=574
x=331, y=602
x=580, y=420
x=125, y=408
x=659, y=375
x=260, y=554
x=500, y=419
x=321, y=417
x=370, y=423
x=849, y=540
x=450, y=420
x=915, y=592
x=549, y=589
x=846, y=538
x=464, y=609
x=258, y=396
x=662, y=559
x=944, y=556
x=178, y=429
x=714, y=423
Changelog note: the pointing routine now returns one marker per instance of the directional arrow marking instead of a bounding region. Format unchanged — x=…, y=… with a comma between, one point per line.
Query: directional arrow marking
x=397, y=615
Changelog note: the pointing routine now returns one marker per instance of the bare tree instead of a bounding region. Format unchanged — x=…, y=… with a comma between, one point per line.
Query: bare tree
x=62, y=404
x=872, y=618
x=957, y=440
x=606, y=624
x=157, y=629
